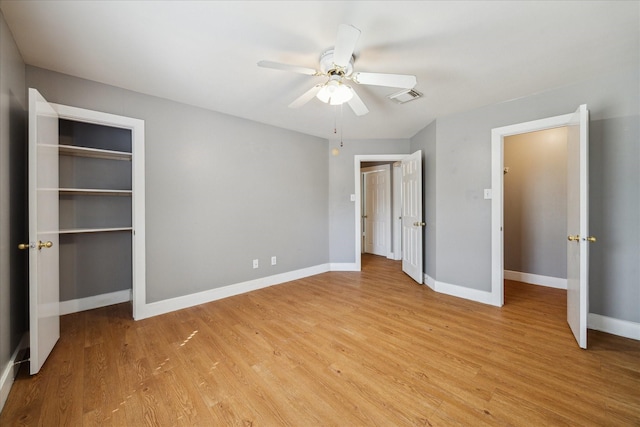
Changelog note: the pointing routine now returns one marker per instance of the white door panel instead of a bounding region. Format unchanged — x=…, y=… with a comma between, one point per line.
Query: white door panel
x=578, y=225
x=412, y=216
x=44, y=301
x=376, y=212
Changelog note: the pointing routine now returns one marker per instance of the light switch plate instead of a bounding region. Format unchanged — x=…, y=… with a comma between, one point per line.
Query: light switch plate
x=487, y=193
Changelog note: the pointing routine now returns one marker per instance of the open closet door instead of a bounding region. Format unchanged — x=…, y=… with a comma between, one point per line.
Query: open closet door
x=577, y=224
x=44, y=265
x=412, y=216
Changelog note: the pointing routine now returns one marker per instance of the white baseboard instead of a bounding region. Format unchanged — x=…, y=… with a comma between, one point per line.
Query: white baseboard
x=476, y=295
x=342, y=266
x=97, y=301
x=6, y=380
x=536, y=279
x=430, y=282
x=186, y=301
x=610, y=325
x=483, y=297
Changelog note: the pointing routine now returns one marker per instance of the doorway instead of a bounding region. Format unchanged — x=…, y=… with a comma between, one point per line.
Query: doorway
x=359, y=160
x=498, y=137
x=105, y=153
x=535, y=207
x=578, y=238
x=411, y=210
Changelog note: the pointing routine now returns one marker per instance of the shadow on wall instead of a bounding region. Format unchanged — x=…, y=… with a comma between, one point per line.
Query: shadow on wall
x=18, y=220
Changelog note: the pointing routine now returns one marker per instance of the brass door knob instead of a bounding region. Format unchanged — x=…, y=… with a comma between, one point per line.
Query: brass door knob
x=573, y=238
x=47, y=244
x=23, y=246
x=419, y=224
x=591, y=239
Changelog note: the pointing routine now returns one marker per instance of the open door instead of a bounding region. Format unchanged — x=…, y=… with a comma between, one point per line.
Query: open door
x=577, y=224
x=412, y=216
x=44, y=265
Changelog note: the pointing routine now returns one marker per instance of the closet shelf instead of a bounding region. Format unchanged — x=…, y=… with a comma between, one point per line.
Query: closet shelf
x=93, y=192
x=72, y=150
x=94, y=230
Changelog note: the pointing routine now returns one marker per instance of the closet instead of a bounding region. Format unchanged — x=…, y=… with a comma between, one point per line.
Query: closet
x=95, y=209
x=86, y=216
x=101, y=209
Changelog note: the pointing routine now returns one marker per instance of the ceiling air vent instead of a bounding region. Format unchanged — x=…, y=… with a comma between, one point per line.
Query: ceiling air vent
x=405, y=96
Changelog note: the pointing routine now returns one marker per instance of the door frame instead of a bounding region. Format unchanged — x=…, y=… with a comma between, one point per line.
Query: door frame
x=138, y=283
x=357, y=162
x=396, y=211
x=497, y=196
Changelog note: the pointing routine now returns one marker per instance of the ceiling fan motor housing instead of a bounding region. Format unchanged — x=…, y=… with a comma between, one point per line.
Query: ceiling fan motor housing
x=327, y=66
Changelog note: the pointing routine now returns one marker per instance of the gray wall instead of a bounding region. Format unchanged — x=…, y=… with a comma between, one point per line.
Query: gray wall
x=220, y=190
x=13, y=202
x=614, y=207
x=463, y=157
x=342, y=184
x=535, y=203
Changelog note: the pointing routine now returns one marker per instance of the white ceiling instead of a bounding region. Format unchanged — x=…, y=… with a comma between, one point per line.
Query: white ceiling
x=204, y=53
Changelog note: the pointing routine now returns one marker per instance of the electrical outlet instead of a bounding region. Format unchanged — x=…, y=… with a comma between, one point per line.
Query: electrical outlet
x=255, y=263
x=273, y=260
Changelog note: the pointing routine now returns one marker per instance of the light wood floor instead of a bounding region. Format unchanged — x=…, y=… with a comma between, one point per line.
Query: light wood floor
x=340, y=348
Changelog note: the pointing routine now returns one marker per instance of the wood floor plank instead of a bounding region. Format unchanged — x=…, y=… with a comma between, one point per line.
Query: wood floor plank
x=339, y=348
x=102, y=388
x=24, y=404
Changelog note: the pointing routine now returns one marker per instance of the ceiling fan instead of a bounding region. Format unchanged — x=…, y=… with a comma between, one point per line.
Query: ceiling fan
x=337, y=65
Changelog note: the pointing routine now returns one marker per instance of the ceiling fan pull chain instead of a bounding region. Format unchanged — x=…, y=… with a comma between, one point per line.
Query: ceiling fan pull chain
x=341, y=125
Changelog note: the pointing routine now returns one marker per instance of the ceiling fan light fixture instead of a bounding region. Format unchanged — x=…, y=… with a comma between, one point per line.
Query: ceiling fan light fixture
x=335, y=92
x=324, y=95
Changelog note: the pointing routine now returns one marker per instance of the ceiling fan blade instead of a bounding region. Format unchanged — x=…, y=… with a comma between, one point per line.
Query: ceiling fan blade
x=287, y=67
x=306, y=97
x=345, y=44
x=403, y=81
x=357, y=105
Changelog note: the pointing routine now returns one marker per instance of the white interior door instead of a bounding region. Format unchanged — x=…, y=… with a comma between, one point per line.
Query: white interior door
x=44, y=300
x=577, y=224
x=412, y=216
x=376, y=212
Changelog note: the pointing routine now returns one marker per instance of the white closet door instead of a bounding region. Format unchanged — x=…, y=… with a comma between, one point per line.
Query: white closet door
x=44, y=265
x=578, y=224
